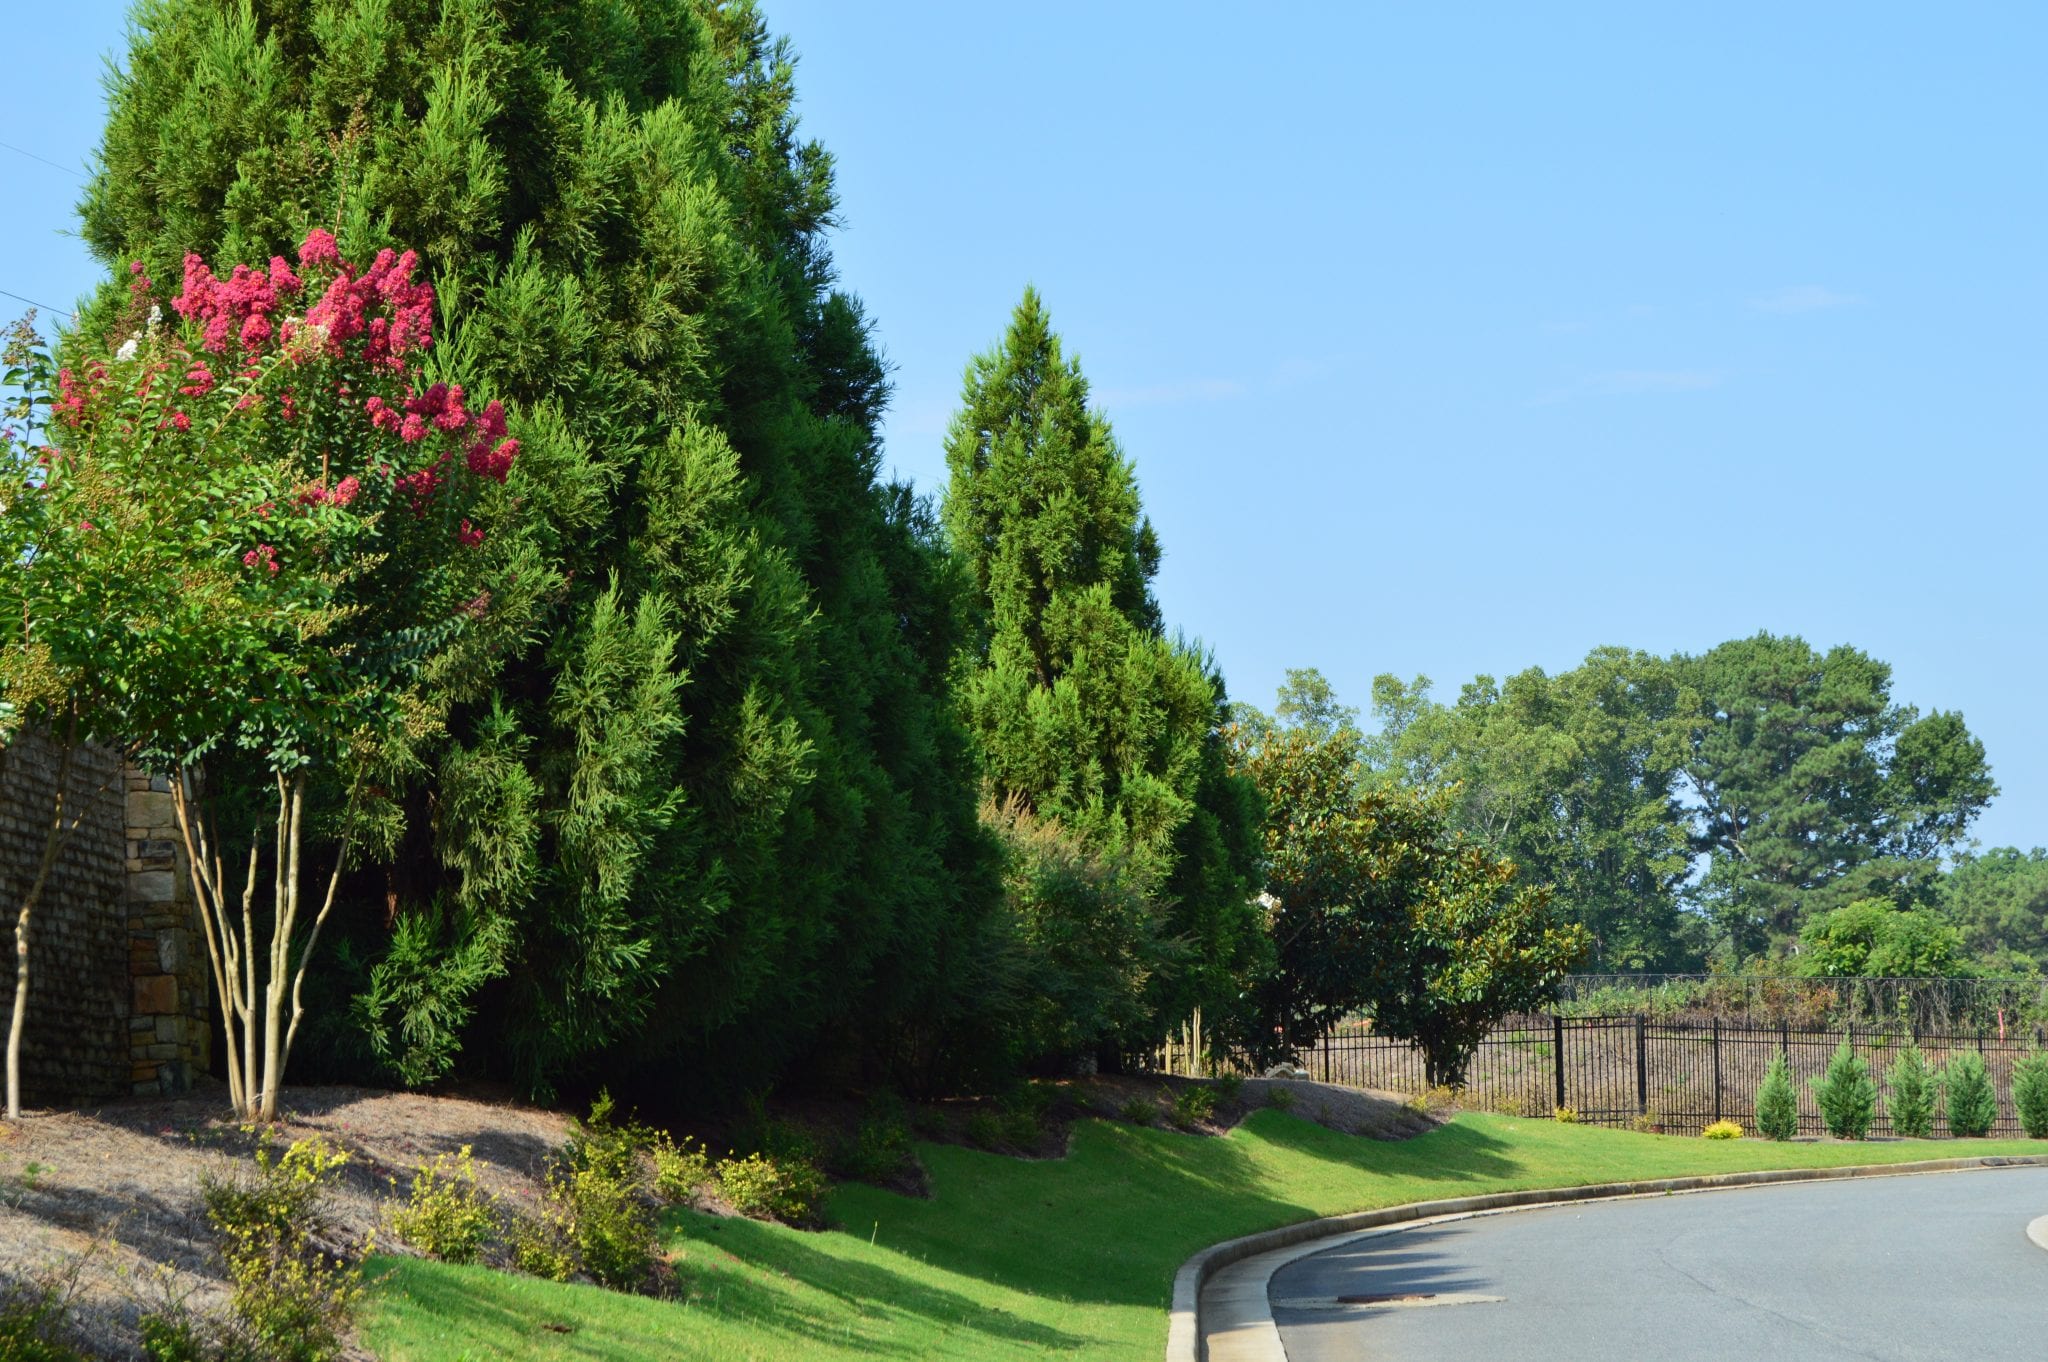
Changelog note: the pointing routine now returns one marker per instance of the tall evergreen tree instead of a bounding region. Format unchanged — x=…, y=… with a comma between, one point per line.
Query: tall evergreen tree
x=717, y=806
x=1083, y=711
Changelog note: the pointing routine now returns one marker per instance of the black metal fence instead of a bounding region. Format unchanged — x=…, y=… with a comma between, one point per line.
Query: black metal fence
x=1951, y=1006
x=1671, y=1076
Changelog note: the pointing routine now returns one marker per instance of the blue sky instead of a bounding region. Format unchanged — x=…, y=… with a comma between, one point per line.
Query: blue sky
x=1453, y=339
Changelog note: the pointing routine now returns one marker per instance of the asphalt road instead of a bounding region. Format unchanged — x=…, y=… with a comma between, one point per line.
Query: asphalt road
x=1936, y=1266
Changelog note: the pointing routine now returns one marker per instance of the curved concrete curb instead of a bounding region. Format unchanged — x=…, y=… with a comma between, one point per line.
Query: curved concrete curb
x=1184, y=1341
x=2037, y=1230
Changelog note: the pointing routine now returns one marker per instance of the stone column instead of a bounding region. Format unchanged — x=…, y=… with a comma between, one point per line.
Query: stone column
x=170, y=1037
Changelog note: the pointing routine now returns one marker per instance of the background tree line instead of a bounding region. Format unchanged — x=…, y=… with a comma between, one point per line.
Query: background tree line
x=1761, y=804
x=774, y=767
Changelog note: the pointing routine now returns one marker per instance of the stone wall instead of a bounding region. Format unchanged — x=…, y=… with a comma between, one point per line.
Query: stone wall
x=118, y=988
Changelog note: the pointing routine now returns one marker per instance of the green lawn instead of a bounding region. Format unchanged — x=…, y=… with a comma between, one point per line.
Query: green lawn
x=1019, y=1259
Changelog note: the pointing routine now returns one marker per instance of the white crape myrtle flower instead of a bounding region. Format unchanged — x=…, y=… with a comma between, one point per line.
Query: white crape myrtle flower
x=127, y=350
x=156, y=315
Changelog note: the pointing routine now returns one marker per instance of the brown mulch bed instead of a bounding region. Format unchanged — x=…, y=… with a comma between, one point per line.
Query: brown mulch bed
x=121, y=1184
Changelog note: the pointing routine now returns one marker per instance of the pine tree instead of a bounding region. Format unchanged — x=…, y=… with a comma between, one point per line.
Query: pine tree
x=1912, y=1094
x=1967, y=1093
x=717, y=806
x=1846, y=1094
x=1082, y=710
x=1777, y=1105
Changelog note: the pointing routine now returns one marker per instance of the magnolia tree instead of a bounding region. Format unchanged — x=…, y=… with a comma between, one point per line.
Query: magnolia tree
x=262, y=530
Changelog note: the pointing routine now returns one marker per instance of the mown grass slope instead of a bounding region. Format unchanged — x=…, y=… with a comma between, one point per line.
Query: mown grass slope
x=1011, y=1258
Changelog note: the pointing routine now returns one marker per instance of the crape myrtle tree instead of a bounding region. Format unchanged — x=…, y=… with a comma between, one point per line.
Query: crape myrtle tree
x=265, y=532
x=1376, y=903
x=53, y=645
x=712, y=803
x=1084, y=713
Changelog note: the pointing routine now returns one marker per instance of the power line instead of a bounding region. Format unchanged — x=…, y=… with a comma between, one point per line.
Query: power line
x=44, y=159
x=60, y=311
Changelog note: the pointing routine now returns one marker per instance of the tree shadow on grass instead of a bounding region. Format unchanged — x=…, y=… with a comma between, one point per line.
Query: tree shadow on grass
x=867, y=1288
x=493, y=1313
x=1112, y=1222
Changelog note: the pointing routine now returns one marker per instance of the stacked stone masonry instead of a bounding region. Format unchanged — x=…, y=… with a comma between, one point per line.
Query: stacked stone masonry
x=118, y=982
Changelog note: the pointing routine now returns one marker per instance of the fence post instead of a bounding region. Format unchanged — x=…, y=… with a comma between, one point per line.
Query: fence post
x=1326, y=1056
x=1717, y=1066
x=1642, y=1071
x=1557, y=1054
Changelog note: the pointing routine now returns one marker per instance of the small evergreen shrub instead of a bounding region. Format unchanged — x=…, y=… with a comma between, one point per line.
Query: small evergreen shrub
x=1911, y=1100
x=1229, y=1089
x=1777, y=1105
x=1280, y=1099
x=680, y=1168
x=1192, y=1106
x=1722, y=1130
x=1139, y=1110
x=294, y=1301
x=446, y=1215
x=1566, y=1116
x=2030, y=1095
x=1846, y=1094
x=1971, y=1100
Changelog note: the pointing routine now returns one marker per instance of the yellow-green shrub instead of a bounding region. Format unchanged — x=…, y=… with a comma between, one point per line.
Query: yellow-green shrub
x=679, y=1168
x=293, y=1300
x=1722, y=1130
x=788, y=1190
x=446, y=1215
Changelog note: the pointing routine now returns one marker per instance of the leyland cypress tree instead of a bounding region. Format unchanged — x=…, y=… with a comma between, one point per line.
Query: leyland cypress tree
x=716, y=806
x=1083, y=711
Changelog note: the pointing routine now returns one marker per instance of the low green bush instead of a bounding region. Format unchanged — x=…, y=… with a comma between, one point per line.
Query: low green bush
x=1777, y=1105
x=1279, y=1098
x=1229, y=1089
x=446, y=1215
x=877, y=1151
x=1967, y=1092
x=1193, y=1105
x=985, y=1130
x=789, y=1190
x=1139, y=1110
x=2030, y=1095
x=1846, y=1094
x=1910, y=1101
